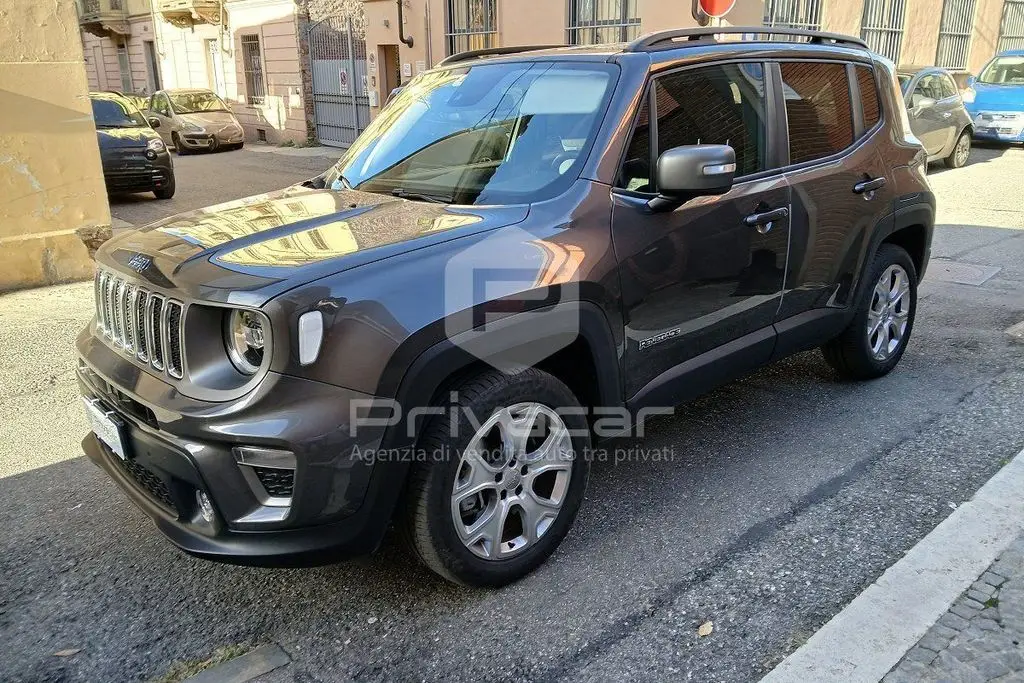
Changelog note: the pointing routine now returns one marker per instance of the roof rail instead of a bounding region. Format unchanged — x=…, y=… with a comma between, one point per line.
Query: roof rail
x=648, y=42
x=493, y=52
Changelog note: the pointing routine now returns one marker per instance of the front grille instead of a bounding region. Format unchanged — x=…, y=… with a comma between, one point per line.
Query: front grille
x=140, y=323
x=149, y=482
x=278, y=483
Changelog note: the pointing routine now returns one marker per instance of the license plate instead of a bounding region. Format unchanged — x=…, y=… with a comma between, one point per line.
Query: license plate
x=105, y=426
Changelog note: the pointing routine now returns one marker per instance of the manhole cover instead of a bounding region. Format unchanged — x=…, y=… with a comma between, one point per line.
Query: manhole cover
x=946, y=270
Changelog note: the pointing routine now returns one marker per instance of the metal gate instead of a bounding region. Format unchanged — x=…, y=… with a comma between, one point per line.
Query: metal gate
x=341, y=103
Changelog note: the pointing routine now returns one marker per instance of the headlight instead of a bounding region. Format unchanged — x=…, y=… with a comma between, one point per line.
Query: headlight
x=245, y=340
x=156, y=144
x=970, y=95
x=192, y=128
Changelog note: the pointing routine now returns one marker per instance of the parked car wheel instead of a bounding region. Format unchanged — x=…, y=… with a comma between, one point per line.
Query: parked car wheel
x=875, y=340
x=167, y=191
x=178, y=147
x=961, y=151
x=489, y=503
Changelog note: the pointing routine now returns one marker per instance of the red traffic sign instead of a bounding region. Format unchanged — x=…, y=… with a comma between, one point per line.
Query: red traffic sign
x=716, y=9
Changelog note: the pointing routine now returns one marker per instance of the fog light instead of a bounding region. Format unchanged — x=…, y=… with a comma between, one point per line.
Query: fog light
x=205, y=506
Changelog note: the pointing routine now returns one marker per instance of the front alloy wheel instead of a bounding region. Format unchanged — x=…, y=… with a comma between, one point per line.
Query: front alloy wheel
x=501, y=477
x=512, y=480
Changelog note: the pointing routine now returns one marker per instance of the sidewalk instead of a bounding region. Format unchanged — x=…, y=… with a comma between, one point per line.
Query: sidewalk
x=981, y=638
x=952, y=609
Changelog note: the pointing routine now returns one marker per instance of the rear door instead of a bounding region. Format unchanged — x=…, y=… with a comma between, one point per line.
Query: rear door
x=841, y=188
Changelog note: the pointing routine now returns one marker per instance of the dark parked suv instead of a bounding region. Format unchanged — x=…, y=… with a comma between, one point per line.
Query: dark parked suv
x=529, y=249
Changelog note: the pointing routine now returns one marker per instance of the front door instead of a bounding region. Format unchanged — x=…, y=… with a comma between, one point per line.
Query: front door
x=700, y=279
x=160, y=109
x=926, y=112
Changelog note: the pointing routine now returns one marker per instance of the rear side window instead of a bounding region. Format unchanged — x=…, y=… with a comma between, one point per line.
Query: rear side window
x=868, y=96
x=818, y=109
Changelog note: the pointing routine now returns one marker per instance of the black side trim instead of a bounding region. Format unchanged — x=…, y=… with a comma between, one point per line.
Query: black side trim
x=809, y=330
x=707, y=371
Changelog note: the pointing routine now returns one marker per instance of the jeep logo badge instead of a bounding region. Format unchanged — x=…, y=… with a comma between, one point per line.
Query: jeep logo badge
x=139, y=262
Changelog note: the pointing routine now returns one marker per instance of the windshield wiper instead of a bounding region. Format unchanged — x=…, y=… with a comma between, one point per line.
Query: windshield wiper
x=422, y=197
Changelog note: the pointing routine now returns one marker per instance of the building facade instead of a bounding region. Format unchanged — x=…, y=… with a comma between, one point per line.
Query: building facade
x=247, y=51
x=958, y=34
x=51, y=181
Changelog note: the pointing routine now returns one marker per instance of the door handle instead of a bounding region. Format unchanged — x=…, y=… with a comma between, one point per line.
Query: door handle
x=866, y=186
x=763, y=221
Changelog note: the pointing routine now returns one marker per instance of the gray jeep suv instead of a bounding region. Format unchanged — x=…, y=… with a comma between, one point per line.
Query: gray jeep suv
x=528, y=249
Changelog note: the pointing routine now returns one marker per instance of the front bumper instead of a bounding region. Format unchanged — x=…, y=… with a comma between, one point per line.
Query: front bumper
x=340, y=503
x=144, y=176
x=998, y=126
x=212, y=140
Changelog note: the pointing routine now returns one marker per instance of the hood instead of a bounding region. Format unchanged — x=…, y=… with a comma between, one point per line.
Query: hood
x=119, y=138
x=210, y=119
x=990, y=97
x=247, y=251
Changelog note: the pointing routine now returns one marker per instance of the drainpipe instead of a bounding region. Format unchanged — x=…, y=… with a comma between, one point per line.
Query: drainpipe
x=401, y=26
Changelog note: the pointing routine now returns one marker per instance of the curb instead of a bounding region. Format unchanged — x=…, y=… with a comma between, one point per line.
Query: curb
x=262, y=660
x=871, y=635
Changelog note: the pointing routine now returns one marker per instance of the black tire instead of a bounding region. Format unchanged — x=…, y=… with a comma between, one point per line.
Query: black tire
x=850, y=353
x=167, y=191
x=426, y=522
x=959, y=160
x=179, y=148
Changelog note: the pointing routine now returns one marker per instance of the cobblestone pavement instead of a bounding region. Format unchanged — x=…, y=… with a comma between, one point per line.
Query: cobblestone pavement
x=981, y=637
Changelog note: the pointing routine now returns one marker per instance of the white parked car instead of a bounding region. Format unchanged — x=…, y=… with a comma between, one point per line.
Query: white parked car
x=194, y=119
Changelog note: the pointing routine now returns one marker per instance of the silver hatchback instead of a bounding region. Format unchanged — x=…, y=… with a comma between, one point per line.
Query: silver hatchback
x=193, y=120
x=937, y=114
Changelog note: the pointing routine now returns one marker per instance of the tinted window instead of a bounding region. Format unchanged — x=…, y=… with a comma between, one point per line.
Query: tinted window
x=868, y=96
x=636, y=169
x=818, y=108
x=720, y=105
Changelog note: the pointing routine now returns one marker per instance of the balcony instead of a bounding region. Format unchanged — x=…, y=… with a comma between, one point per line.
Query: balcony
x=104, y=18
x=188, y=13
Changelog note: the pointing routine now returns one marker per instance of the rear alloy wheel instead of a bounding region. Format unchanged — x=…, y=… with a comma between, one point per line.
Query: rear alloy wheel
x=493, y=498
x=961, y=151
x=875, y=340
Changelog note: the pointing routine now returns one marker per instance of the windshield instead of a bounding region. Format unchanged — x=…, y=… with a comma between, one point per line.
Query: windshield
x=1004, y=71
x=194, y=102
x=487, y=134
x=114, y=112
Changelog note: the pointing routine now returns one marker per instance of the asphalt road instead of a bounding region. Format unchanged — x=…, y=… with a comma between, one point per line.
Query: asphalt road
x=787, y=493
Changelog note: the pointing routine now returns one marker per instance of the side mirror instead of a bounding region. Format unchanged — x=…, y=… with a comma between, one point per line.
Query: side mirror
x=692, y=171
x=921, y=103
x=154, y=122
x=971, y=80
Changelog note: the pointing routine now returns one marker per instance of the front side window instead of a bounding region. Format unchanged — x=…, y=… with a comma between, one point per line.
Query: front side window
x=116, y=112
x=472, y=25
x=929, y=86
x=949, y=88
x=603, y=21
x=486, y=134
x=819, y=111
x=1004, y=71
x=195, y=102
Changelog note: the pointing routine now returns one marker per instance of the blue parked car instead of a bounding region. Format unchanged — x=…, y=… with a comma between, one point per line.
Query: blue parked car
x=995, y=99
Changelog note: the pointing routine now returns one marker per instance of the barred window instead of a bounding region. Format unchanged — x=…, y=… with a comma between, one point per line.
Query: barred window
x=472, y=25
x=603, y=21
x=955, y=34
x=1011, y=29
x=882, y=27
x=793, y=14
x=252, y=65
x=125, y=68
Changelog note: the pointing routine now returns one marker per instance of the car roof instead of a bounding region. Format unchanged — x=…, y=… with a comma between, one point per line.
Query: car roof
x=914, y=70
x=666, y=46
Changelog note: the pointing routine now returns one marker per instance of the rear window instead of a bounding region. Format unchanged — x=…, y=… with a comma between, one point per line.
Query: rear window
x=818, y=109
x=868, y=96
